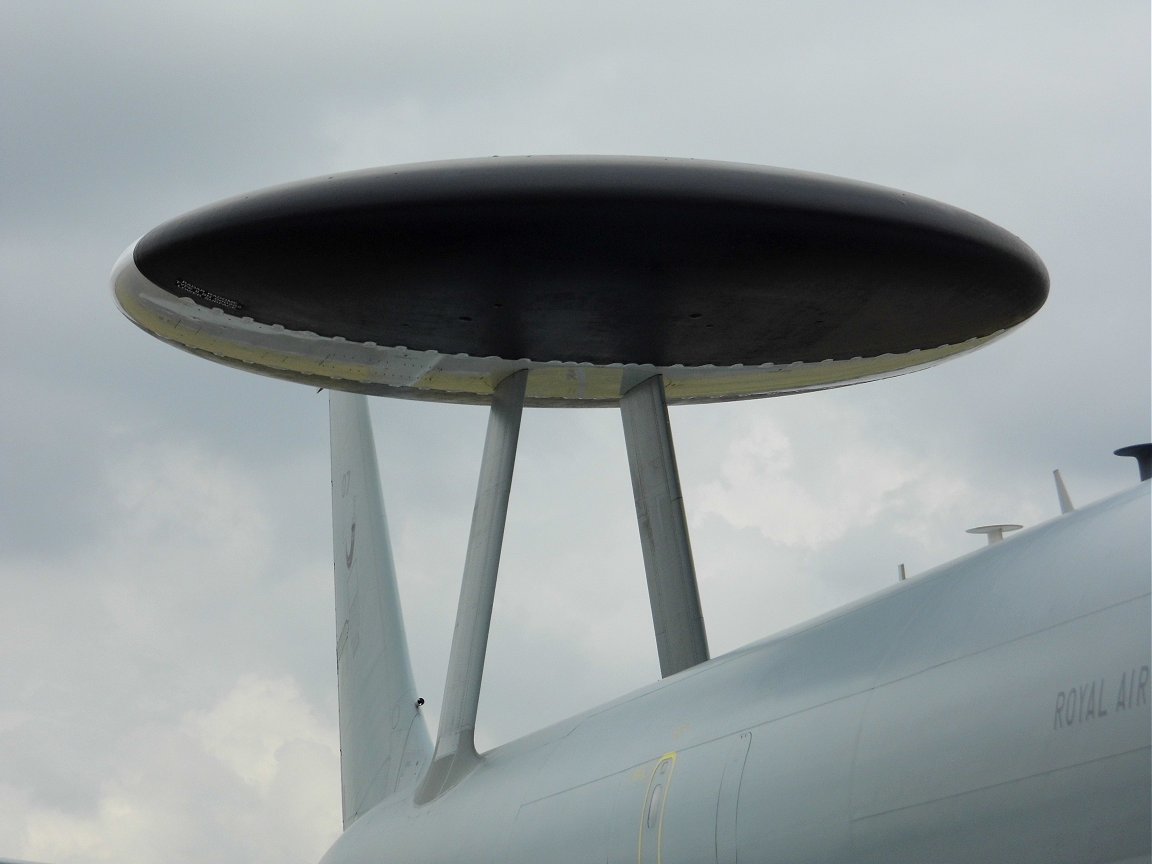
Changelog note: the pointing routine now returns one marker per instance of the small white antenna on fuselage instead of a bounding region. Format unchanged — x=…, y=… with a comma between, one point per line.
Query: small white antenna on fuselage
x=995, y=532
x=1066, y=505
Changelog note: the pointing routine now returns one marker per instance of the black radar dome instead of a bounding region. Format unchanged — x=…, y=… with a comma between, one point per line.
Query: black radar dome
x=436, y=280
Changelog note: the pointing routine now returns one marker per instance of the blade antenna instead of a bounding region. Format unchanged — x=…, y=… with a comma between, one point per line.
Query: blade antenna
x=1142, y=453
x=1066, y=505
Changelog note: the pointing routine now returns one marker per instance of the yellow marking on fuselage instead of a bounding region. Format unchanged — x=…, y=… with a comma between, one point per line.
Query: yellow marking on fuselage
x=647, y=804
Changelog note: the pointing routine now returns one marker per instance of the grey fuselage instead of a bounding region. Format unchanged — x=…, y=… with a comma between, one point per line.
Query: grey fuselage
x=994, y=709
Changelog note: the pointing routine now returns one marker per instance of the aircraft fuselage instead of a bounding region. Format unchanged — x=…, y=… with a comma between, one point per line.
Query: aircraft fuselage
x=994, y=709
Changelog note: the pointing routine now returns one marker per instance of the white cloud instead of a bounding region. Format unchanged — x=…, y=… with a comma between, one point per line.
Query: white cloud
x=857, y=480
x=250, y=729
x=258, y=765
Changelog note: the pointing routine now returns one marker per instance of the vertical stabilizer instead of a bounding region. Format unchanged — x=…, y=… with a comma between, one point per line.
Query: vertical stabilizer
x=384, y=741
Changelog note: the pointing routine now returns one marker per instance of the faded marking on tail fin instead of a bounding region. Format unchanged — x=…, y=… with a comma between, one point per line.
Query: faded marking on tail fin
x=384, y=742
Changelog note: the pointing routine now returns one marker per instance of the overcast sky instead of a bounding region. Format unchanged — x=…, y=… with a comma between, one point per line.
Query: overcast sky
x=167, y=661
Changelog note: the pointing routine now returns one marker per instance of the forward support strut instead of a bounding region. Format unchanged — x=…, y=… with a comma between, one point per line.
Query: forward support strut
x=680, y=638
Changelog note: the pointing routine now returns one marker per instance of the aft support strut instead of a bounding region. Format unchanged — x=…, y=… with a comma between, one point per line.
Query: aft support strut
x=455, y=753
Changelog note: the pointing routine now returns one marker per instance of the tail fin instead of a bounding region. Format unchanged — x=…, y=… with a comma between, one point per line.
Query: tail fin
x=384, y=741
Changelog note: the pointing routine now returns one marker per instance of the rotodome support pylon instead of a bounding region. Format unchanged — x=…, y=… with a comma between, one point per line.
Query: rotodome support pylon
x=681, y=640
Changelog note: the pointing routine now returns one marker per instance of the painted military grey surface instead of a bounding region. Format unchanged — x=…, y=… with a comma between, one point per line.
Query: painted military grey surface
x=383, y=738
x=994, y=709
